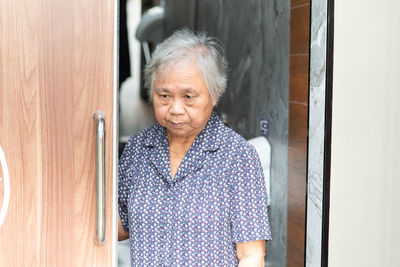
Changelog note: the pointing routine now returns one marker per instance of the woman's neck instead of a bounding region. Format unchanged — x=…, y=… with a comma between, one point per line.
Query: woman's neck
x=178, y=147
x=180, y=144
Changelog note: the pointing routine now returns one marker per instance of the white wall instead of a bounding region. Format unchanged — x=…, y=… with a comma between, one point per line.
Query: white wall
x=365, y=177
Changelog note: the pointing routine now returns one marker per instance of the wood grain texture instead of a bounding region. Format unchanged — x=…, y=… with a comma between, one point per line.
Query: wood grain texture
x=298, y=128
x=56, y=70
x=297, y=3
x=300, y=29
x=299, y=78
x=297, y=173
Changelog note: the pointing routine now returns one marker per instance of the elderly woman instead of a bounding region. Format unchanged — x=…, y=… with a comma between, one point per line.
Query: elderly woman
x=191, y=190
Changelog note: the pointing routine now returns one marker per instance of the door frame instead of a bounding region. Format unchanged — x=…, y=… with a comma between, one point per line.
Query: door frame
x=115, y=140
x=319, y=132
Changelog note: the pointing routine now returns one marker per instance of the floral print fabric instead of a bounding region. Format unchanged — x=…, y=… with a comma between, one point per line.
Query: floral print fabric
x=216, y=199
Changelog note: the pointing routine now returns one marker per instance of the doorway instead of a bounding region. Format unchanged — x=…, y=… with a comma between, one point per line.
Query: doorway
x=267, y=48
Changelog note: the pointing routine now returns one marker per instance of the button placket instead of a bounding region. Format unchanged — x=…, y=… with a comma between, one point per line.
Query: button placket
x=168, y=224
x=171, y=221
x=164, y=225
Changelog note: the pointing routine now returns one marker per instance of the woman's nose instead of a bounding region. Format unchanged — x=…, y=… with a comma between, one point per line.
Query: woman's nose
x=177, y=107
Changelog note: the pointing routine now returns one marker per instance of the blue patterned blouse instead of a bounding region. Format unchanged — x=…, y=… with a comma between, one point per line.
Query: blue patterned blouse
x=216, y=199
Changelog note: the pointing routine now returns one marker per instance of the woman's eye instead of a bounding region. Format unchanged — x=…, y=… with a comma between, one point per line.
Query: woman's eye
x=164, y=96
x=188, y=97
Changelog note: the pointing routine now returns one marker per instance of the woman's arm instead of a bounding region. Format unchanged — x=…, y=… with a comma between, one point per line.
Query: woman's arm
x=251, y=253
x=122, y=234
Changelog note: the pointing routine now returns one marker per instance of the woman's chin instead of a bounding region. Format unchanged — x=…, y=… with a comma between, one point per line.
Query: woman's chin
x=177, y=131
x=181, y=133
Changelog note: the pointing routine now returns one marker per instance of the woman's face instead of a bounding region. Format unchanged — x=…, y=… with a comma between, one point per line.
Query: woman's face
x=181, y=100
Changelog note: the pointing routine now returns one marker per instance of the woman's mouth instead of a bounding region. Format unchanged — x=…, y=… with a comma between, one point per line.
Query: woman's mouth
x=176, y=124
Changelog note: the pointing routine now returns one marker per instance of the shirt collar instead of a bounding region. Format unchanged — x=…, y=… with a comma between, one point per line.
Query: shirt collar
x=156, y=136
x=206, y=140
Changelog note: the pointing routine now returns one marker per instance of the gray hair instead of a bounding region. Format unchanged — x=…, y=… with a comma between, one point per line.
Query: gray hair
x=186, y=45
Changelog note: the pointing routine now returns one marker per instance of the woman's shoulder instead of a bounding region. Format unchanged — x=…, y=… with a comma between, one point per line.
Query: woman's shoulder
x=235, y=143
x=145, y=136
x=142, y=139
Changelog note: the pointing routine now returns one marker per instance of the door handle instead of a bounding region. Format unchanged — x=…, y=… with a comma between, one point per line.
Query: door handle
x=99, y=119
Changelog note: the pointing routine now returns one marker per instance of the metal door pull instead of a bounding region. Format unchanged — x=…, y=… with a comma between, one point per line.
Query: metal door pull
x=99, y=118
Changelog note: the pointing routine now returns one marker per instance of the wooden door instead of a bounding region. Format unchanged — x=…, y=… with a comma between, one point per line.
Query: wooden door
x=56, y=70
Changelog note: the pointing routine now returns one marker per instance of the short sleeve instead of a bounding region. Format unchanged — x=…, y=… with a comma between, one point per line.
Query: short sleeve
x=249, y=200
x=123, y=186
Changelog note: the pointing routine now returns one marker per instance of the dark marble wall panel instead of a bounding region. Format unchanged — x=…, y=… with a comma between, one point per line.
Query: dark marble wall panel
x=179, y=14
x=256, y=34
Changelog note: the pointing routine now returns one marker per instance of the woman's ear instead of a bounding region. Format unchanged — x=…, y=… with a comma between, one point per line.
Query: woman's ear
x=213, y=101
